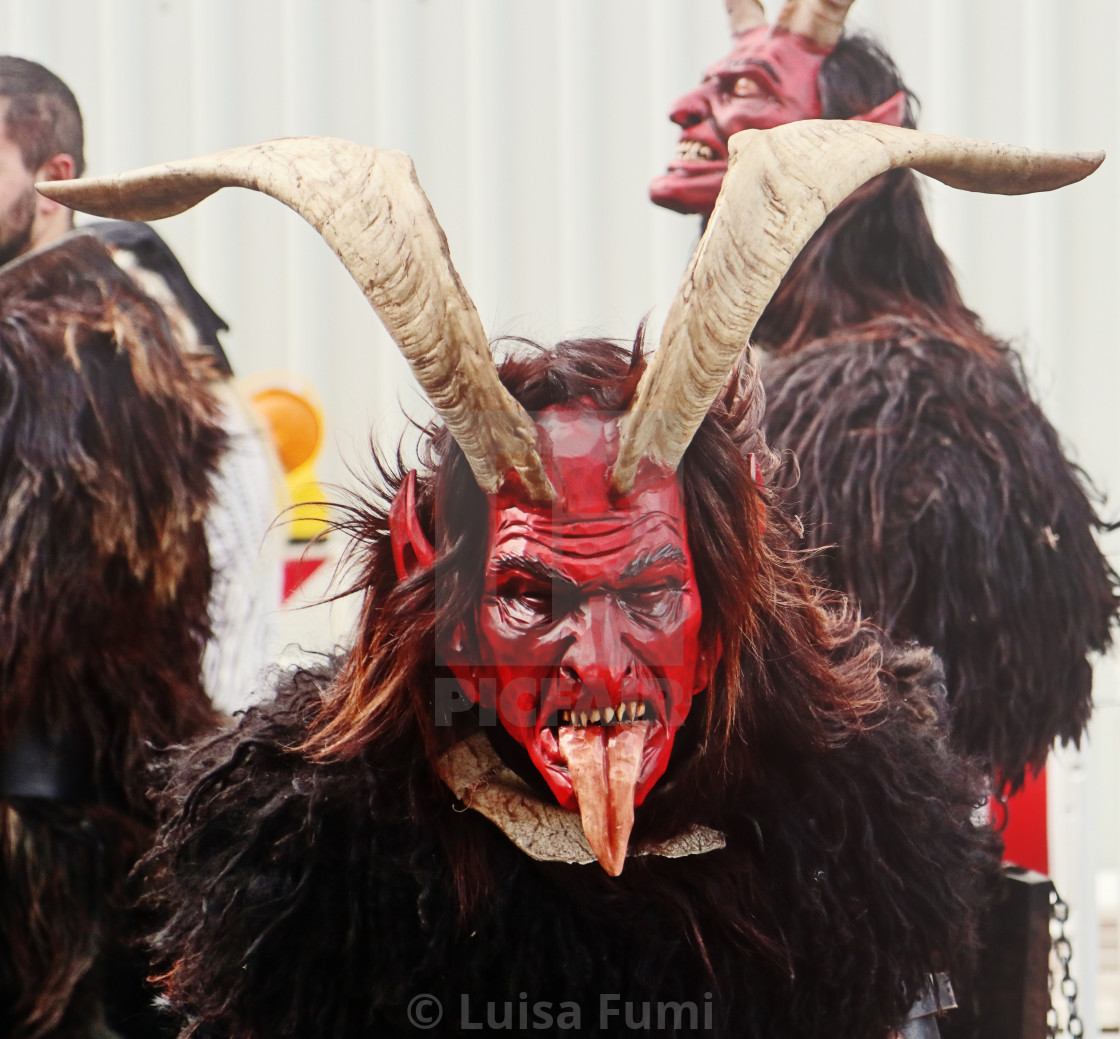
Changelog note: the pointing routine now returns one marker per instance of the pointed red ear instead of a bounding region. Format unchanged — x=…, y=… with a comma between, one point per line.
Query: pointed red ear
x=411, y=548
x=892, y=111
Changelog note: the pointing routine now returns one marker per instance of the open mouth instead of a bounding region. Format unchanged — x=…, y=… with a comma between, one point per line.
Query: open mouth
x=697, y=151
x=600, y=761
x=648, y=714
x=692, y=178
x=625, y=713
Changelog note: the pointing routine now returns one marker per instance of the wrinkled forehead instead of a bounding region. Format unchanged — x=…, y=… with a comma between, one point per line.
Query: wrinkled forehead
x=789, y=55
x=585, y=522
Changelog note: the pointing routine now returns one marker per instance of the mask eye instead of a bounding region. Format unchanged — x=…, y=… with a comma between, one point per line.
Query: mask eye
x=747, y=86
x=527, y=599
x=530, y=603
x=652, y=601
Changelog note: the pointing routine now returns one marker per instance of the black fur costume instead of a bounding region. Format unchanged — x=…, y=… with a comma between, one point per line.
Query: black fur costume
x=947, y=509
x=940, y=492
x=304, y=896
x=108, y=439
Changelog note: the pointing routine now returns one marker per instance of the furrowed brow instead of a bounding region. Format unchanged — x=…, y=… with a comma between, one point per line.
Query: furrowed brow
x=734, y=68
x=658, y=555
x=531, y=568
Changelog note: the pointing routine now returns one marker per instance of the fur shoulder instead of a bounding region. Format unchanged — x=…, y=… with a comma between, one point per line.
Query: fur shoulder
x=301, y=898
x=945, y=505
x=270, y=866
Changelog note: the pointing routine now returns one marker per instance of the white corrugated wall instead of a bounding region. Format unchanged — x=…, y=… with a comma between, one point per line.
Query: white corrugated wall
x=535, y=126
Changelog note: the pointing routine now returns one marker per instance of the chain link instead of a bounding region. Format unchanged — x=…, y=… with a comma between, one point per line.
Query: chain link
x=1061, y=951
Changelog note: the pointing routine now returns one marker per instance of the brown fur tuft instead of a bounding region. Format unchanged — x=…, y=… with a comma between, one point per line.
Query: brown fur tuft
x=108, y=438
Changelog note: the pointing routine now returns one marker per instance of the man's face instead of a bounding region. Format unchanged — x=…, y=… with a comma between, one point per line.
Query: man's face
x=768, y=79
x=17, y=195
x=589, y=624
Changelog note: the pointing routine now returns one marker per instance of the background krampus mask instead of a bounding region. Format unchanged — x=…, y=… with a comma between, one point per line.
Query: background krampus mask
x=771, y=77
x=587, y=640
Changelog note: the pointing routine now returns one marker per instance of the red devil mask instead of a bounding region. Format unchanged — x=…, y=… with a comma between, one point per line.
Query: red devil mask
x=769, y=78
x=588, y=643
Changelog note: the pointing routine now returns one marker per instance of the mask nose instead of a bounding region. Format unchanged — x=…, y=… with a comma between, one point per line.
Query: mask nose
x=691, y=109
x=597, y=661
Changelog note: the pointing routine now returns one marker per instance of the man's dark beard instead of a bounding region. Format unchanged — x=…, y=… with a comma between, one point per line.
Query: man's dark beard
x=15, y=226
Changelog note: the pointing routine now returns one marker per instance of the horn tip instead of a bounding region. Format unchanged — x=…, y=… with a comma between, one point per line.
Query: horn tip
x=1076, y=166
x=56, y=190
x=128, y=198
x=91, y=196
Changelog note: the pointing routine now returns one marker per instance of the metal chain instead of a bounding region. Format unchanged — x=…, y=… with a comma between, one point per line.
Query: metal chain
x=1062, y=952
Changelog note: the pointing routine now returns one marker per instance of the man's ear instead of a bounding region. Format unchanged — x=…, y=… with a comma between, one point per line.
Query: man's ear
x=411, y=548
x=57, y=167
x=48, y=213
x=892, y=112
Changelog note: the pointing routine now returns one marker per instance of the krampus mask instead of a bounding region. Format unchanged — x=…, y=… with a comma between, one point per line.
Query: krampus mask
x=771, y=77
x=586, y=641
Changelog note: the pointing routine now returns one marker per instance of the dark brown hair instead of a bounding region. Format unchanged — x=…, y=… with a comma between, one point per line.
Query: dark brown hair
x=108, y=438
x=43, y=117
x=875, y=254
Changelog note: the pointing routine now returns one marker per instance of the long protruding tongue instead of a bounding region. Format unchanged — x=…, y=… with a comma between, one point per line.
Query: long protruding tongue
x=604, y=764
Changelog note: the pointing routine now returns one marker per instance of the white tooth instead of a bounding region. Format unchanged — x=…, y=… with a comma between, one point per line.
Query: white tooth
x=595, y=716
x=622, y=711
x=608, y=715
x=565, y=717
x=583, y=718
x=642, y=709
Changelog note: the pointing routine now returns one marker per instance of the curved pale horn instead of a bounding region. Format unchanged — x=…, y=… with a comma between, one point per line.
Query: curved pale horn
x=822, y=21
x=369, y=207
x=744, y=15
x=780, y=186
